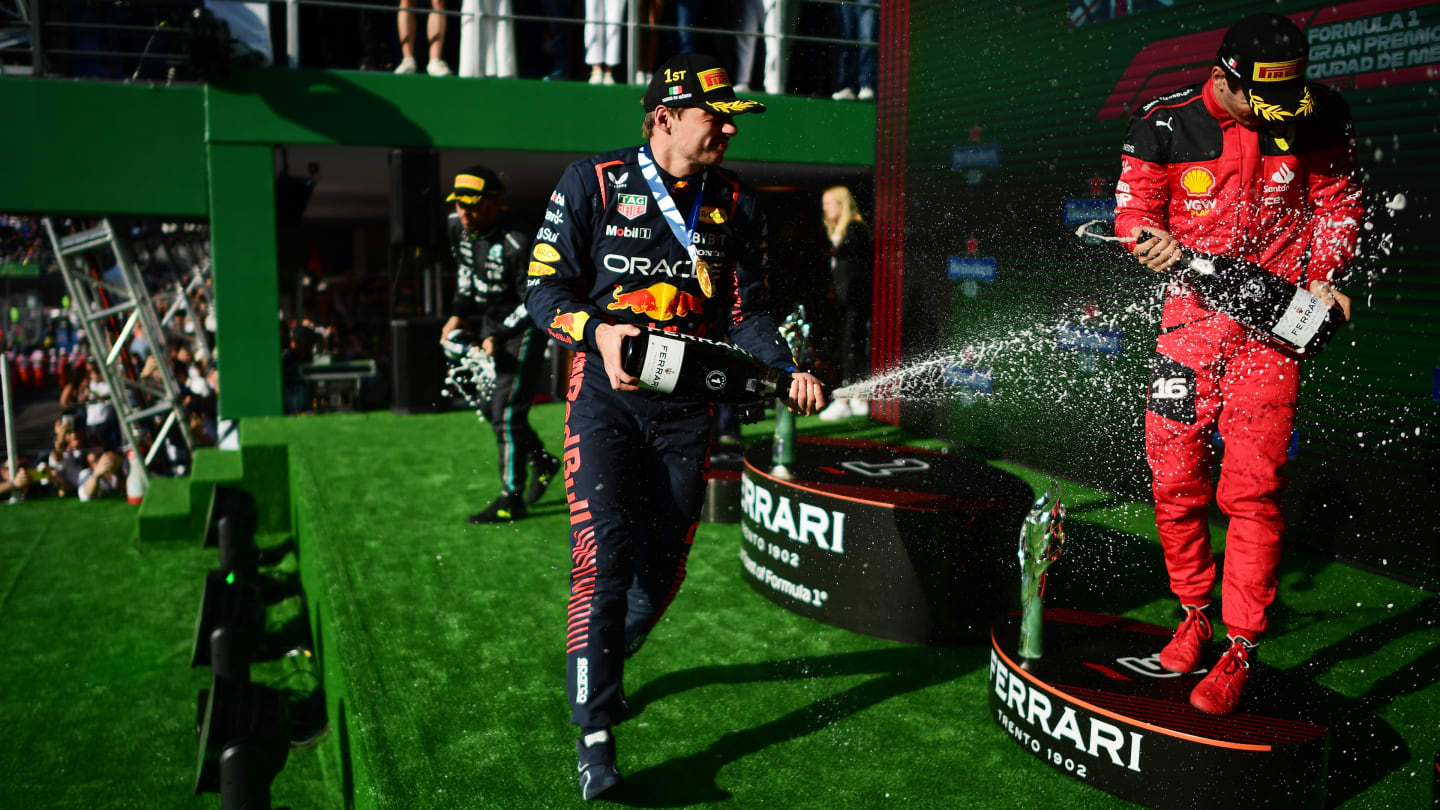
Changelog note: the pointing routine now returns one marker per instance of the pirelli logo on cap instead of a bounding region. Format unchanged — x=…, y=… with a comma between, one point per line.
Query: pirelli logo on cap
x=470, y=181
x=713, y=79
x=1278, y=71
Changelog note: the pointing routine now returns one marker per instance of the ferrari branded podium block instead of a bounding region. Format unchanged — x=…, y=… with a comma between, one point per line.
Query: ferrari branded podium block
x=896, y=542
x=1099, y=708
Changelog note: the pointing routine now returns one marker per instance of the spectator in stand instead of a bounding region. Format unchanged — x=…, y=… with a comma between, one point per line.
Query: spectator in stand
x=20, y=483
x=139, y=344
x=435, y=38
x=497, y=39
x=774, y=18
x=603, y=21
x=67, y=457
x=196, y=389
x=851, y=279
x=100, y=420
x=202, y=432
x=651, y=13
x=102, y=477
x=559, y=38
x=856, y=72
x=70, y=393
x=687, y=14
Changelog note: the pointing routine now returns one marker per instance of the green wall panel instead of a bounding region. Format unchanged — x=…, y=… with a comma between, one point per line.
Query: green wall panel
x=1016, y=81
x=382, y=109
x=102, y=148
x=247, y=304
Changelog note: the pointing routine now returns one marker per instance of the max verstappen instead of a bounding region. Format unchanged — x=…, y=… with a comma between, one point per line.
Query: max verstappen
x=655, y=235
x=1254, y=163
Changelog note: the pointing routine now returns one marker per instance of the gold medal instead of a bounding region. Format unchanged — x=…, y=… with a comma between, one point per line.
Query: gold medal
x=702, y=274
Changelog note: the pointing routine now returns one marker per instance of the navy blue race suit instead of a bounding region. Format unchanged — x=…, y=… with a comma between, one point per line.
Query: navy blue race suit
x=490, y=298
x=635, y=461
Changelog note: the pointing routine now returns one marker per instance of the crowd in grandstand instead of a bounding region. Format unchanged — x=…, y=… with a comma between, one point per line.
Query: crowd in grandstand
x=53, y=370
x=551, y=39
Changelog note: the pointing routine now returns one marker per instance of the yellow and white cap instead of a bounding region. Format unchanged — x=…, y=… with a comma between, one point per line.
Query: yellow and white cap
x=474, y=184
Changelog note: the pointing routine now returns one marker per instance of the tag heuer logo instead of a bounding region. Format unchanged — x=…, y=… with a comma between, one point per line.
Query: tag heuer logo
x=631, y=205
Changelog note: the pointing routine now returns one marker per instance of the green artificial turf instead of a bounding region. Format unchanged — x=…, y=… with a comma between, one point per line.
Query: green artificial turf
x=442, y=651
x=453, y=660
x=96, y=689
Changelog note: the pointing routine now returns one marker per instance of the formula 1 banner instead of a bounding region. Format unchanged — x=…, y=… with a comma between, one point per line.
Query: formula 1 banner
x=1371, y=43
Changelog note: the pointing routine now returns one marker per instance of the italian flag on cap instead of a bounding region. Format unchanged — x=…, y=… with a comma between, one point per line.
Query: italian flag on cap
x=675, y=89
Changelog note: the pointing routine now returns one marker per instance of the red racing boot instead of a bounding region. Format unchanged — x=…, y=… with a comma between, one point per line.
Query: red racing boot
x=1219, y=692
x=1182, y=654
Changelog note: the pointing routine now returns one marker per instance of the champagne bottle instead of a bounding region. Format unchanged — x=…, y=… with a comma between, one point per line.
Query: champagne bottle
x=688, y=366
x=1258, y=299
x=134, y=479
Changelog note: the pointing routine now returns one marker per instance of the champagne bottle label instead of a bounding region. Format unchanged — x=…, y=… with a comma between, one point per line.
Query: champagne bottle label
x=661, y=367
x=689, y=366
x=1302, y=319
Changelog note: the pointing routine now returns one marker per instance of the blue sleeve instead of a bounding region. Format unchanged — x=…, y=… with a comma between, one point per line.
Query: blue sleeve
x=560, y=271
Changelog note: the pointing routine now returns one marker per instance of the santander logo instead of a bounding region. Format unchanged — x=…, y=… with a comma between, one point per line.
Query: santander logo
x=1283, y=175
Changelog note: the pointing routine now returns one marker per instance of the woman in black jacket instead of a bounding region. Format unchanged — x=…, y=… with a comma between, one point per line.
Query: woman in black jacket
x=851, y=274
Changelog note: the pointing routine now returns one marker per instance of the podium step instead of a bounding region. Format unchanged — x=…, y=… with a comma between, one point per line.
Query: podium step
x=1099, y=708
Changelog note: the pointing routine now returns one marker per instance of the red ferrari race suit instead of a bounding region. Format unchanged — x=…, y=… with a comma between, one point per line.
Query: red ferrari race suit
x=1286, y=199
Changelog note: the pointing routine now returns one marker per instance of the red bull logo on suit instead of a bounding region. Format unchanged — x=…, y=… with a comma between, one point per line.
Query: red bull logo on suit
x=659, y=302
x=571, y=324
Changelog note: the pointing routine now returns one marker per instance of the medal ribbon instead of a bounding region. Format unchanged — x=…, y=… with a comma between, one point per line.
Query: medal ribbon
x=684, y=230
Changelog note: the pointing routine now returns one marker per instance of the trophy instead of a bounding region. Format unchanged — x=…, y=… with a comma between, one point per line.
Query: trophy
x=795, y=330
x=1042, y=538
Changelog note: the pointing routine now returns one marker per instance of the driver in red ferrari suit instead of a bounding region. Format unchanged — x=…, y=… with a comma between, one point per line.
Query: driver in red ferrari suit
x=1259, y=164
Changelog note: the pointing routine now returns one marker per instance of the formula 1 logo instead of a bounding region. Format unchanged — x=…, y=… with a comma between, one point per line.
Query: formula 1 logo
x=1370, y=43
x=885, y=469
x=1150, y=667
